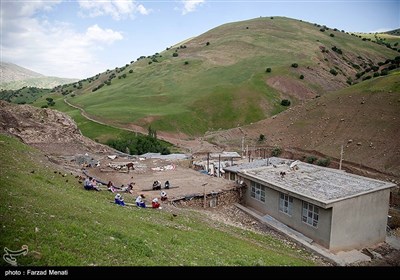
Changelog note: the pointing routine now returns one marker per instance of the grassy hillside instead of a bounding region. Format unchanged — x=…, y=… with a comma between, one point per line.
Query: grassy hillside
x=364, y=118
x=218, y=80
x=64, y=225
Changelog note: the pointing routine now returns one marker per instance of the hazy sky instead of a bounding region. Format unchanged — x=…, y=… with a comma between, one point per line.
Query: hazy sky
x=80, y=38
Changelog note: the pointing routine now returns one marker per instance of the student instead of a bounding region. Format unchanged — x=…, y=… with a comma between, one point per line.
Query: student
x=90, y=184
x=157, y=185
x=111, y=187
x=94, y=184
x=166, y=184
x=130, y=188
x=155, y=203
x=119, y=200
x=163, y=196
x=140, y=202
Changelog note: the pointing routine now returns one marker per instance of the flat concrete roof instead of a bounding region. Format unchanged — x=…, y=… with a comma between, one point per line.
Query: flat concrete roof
x=258, y=163
x=320, y=184
x=225, y=155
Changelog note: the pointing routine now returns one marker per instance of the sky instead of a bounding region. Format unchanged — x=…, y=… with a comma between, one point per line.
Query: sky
x=81, y=38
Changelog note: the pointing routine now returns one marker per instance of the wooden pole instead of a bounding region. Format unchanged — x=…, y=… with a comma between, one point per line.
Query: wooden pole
x=341, y=158
x=204, y=200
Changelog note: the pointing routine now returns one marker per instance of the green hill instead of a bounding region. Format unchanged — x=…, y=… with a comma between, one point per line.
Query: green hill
x=218, y=80
x=64, y=225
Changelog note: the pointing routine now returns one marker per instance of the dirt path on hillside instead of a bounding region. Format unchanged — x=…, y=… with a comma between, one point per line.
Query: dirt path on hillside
x=179, y=140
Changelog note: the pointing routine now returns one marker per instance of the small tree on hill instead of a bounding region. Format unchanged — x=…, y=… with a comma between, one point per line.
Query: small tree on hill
x=276, y=152
x=285, y=102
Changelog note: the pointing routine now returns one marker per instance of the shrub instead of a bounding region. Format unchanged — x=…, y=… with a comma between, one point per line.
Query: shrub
x=186, y=62
x=333, y=72
x=208, y=43
x=295, y=65
x=332, y=35
x=301, y=77
x=335, y=49
x=324, y=162
x=311, y=159
x=175, y=54
x=276, y=152
x=261, y=138
x=268, y=70
x=285, y=102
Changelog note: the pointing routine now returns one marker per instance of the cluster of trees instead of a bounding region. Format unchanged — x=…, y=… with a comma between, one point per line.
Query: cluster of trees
x=140, y=144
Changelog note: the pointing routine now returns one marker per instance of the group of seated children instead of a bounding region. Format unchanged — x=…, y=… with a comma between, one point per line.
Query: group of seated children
x=154, y=203
x=157, y=185
x=128, y=189
x=90, y=184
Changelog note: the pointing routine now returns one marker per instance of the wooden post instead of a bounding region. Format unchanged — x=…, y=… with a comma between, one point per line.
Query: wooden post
x=208, y=161
x=204, y=200
x=219, y=165
x=341, y=158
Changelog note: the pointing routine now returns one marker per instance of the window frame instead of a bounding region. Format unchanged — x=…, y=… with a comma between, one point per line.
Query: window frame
x=257, y=191
x=286, y=204
x=310, y=214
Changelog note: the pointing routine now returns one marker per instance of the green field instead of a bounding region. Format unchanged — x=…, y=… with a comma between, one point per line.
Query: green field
x=64, y=225
x=221, y=84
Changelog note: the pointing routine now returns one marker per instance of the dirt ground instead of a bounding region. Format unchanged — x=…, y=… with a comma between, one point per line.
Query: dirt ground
x=58, y=137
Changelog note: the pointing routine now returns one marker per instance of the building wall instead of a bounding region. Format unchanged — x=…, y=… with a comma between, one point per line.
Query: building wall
x=360, y=221
x=320, y=234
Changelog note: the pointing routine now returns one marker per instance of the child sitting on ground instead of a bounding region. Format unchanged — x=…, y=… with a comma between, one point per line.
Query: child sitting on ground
x=119, y=199
x=140, y=202
x=155, y=203
x=163, y=196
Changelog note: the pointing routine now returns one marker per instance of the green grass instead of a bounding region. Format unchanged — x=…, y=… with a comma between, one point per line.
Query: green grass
x=224, y=84
x=64, y=225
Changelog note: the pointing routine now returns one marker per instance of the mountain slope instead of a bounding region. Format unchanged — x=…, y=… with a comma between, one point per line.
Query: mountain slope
x=11, y=72
x=218, y=80
x=16, y=77
x=364, y=119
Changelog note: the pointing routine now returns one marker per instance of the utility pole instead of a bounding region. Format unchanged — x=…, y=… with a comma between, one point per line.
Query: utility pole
x=341, y=158
x=242, y=146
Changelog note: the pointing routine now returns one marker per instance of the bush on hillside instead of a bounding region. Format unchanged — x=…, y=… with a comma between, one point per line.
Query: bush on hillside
x=295, y=65
x=333, y=72
x=324, y=162
x=276, y=152
x=261, y=138
x=268, y=70
x=311, y=159
x=175, y=54
x=285, y=102
x=301, y=77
